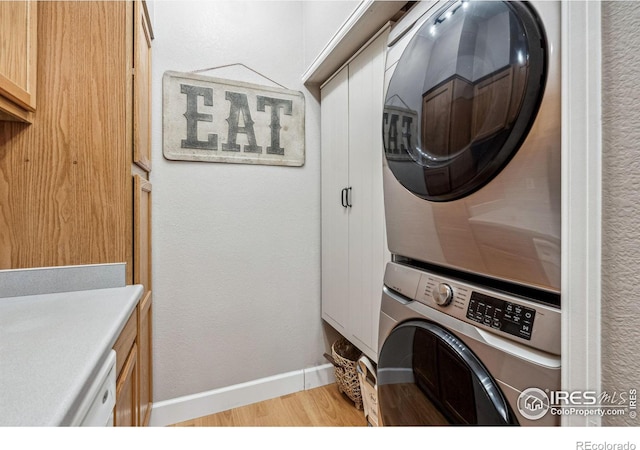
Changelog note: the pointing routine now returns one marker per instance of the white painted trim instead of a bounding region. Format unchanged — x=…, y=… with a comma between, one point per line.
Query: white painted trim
x=355, y=55
x=319, y=376
x=169, y=412
x=581, y=200
x=364, y=22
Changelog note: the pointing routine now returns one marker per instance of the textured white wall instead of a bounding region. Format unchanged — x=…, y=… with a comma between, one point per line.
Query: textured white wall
x=621, y=201
x=236, y=247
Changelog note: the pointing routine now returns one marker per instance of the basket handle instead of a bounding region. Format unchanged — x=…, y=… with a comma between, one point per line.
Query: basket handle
x=330, y=359
x=364, y=361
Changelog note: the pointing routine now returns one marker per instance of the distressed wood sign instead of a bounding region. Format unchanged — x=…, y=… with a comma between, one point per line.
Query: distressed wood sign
x=216, y=120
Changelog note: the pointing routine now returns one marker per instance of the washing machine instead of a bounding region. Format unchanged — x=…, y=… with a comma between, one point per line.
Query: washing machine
x=472, y=138
x=453, y=352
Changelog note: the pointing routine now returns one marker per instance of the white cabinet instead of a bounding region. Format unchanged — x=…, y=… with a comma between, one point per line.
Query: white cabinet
x=354, y=250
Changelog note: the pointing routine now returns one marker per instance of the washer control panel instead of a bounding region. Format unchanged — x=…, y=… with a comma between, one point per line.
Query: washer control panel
x=508, y=317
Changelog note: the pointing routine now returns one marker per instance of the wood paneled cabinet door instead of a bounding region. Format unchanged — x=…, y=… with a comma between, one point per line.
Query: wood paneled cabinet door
x=142, y=87
x=141, y=159
x=491, y=101
x=126, y=409
x=142, y=275
x=127, y=404
x=18, y=59
x=144, y=358
x=142, y=232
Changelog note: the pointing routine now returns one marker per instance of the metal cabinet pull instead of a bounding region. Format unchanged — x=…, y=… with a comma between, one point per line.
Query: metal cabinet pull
x=349, y=197
x=343, y=197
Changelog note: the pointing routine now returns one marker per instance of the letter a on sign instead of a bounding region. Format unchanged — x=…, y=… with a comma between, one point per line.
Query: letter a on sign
x=214, y=120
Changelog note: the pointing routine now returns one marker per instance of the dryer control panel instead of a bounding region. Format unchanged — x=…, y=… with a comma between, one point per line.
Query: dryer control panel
x=503, y=314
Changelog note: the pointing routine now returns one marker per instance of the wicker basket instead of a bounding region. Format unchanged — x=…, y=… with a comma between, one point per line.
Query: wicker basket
x=345, y=358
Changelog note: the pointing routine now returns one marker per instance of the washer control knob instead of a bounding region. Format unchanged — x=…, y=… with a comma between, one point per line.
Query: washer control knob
x=442, y=294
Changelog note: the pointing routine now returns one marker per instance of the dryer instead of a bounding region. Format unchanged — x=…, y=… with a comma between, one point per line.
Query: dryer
x=471, y=132
x=454, y=352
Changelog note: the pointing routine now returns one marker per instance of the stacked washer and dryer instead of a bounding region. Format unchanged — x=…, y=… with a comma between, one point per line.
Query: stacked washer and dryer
x=470, y=315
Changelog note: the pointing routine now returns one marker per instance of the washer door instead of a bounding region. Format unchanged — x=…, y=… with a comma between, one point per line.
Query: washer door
x=463, y=97
x=427, y=376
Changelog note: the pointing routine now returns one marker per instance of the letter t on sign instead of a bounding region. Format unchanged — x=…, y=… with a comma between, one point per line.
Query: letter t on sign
x=275, y=104
x=193, y=117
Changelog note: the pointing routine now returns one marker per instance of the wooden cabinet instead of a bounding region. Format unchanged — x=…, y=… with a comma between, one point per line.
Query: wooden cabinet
x=436, y=115
x=140, y=168
x=68, y=189
x=133, y=366
x=354, y=250
x=65, y=185
x=446, y=117
x=127, y=370
x=125, y=412
x=145, y=359
x=142, y=232
x=491, y=102
x=18, y=60
x=142, y=275
x=142, y=87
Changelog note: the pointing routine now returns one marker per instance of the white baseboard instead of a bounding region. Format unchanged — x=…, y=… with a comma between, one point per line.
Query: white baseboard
x=169, y=412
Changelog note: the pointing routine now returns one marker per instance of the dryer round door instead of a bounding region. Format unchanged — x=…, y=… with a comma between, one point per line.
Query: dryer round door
x=427, y=376
x=463, y=97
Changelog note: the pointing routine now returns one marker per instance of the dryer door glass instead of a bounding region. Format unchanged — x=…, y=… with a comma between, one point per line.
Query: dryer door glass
x=427, y=376
x=463, y=97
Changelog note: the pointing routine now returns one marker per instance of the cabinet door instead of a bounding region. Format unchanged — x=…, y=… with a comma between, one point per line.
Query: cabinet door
x=335, y=216
x=142, y=232
x=145, y=359
x=436, y=118
x=64, y=181
x=491, y=104
x=18, y=59
x=142, y=88
x=125, y=341
x=367, y=240
x=142, y=275
x=126, y=409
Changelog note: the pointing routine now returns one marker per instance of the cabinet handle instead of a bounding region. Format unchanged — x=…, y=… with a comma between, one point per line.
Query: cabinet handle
x=349, y=197
x=343, y=197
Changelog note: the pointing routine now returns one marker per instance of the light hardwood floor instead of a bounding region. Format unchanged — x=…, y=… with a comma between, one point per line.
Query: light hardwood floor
x=320, y=407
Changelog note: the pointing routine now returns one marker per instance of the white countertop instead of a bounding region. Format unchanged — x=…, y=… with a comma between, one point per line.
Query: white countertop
x=51, y=346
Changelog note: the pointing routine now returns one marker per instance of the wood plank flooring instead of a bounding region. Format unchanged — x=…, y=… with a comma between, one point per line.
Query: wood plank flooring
x=320, y=407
